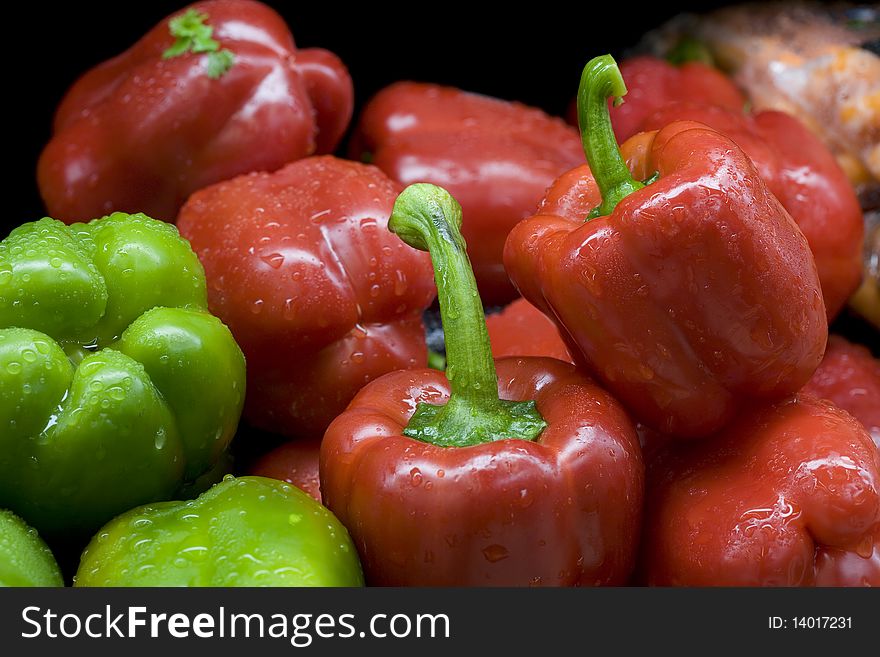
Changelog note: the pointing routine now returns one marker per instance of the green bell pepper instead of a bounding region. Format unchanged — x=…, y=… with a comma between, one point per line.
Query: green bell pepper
x=117, y=387
x=25, y=560
x=250, y=531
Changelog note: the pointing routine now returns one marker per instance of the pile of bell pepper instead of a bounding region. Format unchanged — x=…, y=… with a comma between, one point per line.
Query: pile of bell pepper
x=214, y=364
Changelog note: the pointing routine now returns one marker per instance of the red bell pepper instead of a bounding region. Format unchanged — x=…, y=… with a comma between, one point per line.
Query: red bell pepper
x=295, y=462
x=805, y=177
x=216, y=90
x=797, y=167
x=653, y=83
x=849, y=376
x=838, y=567
x=686, y=297
x=520, y=329
x=495, y=157
x=320, y=296
x=515, y=472
x=763, y=502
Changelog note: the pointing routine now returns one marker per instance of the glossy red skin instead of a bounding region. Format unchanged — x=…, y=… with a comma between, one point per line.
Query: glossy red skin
x=495, y=157
x=835, y=567
x=563, y=510
x=320, y=296
x=653, y=83
x=295, y=462
x=761, y=503
x=141, y=133
x=695, y=295
x=520, y=329
x=849, y=376
x=805, y=177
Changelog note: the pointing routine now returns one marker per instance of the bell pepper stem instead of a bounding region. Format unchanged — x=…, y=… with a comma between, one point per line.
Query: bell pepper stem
x=427, y=218
x=436, y=360
x=601, y=80
x=688, y=49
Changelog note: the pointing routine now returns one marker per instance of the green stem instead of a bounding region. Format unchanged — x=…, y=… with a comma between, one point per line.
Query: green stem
x=600, y=81
x=689, y=49
x=427, y=218
x=436, y=361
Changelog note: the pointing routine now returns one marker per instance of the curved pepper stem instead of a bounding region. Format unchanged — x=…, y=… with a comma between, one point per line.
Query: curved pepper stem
x=427, y=218
x=600, y=81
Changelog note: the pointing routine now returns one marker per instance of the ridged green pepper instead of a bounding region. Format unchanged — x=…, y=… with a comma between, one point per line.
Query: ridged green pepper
x=117, y=387
x=25, y=560
x=250, y=531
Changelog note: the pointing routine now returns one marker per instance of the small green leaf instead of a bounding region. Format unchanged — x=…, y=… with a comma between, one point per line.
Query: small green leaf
x=219, y=63
x=689, y=49
x=190, y=24
x=205, y=45
x=654, y=177
x=436, y=361
x=193, y=34
x=178, y=48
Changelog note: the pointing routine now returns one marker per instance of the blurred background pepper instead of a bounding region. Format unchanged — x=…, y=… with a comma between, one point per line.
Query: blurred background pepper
x=495, y=157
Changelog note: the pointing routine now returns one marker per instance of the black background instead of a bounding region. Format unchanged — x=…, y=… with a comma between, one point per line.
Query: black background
x=533, y=53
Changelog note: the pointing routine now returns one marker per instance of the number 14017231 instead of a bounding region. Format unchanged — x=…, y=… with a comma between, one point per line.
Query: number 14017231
x=810, y=623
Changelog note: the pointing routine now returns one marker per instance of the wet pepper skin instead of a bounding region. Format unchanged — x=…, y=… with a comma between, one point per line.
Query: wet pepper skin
x=495, y=157
x=806, y=178
x=295, y=462
x=838, y=567
x=249, y=531
x=763, y=502
x=319, y=294
x=696, y=294
x=117, y=387
x=849, y=376
x=653, y=83
x=25, y=560
x=562, y=510
x=520, y=329
x=140, y=132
